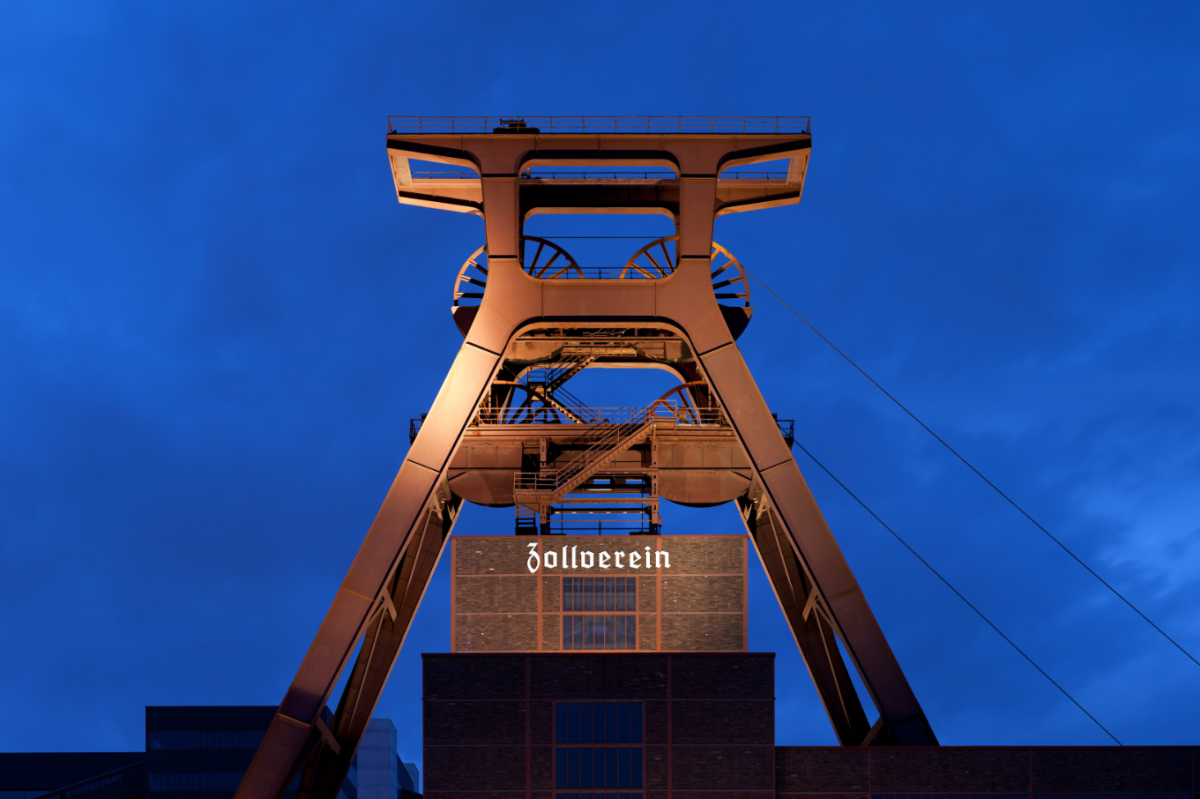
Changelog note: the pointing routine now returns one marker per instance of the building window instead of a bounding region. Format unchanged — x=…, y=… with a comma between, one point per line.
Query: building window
x=588, y=619
x=226, y=781
x=598, y=748
x=216, y=739
x=599, y=594
x=174, y=739
x=175, y=783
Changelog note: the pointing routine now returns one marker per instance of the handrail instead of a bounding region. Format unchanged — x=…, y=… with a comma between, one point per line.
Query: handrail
x=608, y=442
x=689, y=416
x=577, y=272
x=609, y=416
x=615, y=436
x=596, y=451
x=398, y=124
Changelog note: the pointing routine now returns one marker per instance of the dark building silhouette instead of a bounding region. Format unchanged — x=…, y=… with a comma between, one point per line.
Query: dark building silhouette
x=196, y=753
x=577, y=676
x=99, y=775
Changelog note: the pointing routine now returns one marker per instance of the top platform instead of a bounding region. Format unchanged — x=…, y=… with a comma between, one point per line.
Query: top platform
x=761, y=125
x=698, y=163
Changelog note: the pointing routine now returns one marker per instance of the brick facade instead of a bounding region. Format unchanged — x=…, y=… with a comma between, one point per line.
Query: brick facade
x=1077, y=772
x=698, y=603
x=709, y=720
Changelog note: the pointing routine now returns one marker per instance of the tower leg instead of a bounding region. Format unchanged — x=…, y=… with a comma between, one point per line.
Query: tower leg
x=329, y=761
x=389, y=573
x=807, y=619
x=786, y=505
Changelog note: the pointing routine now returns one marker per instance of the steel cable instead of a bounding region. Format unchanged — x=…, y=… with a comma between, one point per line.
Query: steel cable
x=936, y=574
x=967, y=463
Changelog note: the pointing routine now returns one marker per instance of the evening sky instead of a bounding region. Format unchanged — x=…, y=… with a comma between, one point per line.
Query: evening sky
x=216, y=323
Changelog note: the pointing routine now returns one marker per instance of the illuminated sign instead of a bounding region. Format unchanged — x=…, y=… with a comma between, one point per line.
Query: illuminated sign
x=572, y=558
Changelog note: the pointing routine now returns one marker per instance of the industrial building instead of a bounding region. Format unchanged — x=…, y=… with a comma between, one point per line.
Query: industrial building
x=542, y=698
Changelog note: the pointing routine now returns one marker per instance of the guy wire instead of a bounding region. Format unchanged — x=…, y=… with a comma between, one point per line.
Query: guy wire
x=954, y=452
x=956, y=593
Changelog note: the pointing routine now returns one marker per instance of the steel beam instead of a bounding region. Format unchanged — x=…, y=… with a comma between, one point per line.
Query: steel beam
x=793, y=513
x=329, y=761
x=807, y=619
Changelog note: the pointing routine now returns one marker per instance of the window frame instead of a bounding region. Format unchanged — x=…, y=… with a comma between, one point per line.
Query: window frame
x=579, y=624
x=636, y=735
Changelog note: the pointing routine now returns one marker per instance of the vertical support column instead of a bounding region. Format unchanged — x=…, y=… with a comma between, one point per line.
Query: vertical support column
x=697, y=204
x=502, y=216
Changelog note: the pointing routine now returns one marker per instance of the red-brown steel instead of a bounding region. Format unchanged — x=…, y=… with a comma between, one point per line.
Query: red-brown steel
x=672, y=321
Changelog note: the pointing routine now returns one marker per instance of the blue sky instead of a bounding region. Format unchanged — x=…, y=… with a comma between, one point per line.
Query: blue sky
x=215, y=323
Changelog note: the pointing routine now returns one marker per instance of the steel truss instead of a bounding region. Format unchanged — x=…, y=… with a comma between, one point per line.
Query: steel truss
x=373, y=607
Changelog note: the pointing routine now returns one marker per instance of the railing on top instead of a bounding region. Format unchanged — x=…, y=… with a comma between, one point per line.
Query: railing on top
x=659, y=175
x=599, y=273
x=787, y=429
x=402, y=124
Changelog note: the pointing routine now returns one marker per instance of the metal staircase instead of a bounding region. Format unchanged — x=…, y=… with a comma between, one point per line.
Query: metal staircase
x=547, y=385
x=539, y=495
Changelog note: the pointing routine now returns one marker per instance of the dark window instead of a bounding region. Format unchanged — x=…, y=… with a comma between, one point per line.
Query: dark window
x=174, y=782
x=612, y=768
x=597, y=722
x=599, y=594
x=217, y=739
x=615, y=768
x=231, y=739
x=226, y=781
x=220, y=781
x=584, y=596
x=174, y=739
x=596, y=631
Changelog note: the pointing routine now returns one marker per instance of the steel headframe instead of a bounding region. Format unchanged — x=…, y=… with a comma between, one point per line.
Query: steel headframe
x=374, y=605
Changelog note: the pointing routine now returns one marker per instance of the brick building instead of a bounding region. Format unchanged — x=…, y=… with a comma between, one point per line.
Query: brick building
x=589, y=667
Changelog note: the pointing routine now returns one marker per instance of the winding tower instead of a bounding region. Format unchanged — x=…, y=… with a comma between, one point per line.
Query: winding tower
x=505, y=431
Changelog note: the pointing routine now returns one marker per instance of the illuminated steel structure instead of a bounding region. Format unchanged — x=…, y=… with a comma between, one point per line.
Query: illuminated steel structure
x=503, y=430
